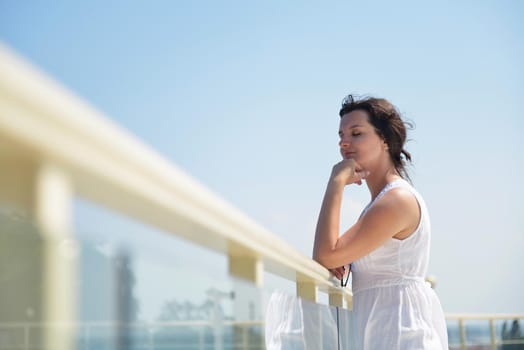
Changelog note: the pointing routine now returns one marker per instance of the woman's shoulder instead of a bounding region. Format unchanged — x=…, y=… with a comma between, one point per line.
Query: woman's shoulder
x=406, y=201
x=399, y=196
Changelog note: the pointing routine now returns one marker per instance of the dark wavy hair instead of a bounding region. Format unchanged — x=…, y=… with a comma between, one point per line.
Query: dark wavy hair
x=388, y=124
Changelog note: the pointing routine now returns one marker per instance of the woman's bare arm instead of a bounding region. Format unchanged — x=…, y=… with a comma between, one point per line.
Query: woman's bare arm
x=326, y=235
x=393, y=213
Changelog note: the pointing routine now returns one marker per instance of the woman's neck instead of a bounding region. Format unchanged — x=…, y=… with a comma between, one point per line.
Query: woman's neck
x=376, y=180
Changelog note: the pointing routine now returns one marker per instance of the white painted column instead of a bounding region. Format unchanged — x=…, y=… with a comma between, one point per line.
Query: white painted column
x=53, y=213
x=42, y=194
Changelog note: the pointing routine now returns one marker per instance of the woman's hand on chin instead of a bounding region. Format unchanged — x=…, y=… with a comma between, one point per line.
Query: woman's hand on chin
x=347, y=172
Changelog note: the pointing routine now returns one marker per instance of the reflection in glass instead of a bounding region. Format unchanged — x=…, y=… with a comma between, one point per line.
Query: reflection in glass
x=293, y=323
x=138, y=288
x=21, y=284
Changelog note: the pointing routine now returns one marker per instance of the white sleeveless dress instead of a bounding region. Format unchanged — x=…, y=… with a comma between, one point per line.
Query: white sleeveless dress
x=393, y=307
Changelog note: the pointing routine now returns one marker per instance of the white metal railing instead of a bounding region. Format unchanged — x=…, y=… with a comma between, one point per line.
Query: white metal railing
x=494, y=340
x=53, y=146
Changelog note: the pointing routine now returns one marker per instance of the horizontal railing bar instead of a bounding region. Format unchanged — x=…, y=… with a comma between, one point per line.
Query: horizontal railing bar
x=135, y=324
x=458, y=316
x=228, y=322
x=40, y=120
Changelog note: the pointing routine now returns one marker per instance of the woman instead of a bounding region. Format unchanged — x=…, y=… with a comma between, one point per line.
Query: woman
x=388, y=247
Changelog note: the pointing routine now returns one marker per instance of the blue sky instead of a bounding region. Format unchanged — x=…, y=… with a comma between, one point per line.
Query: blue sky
x=244, y=97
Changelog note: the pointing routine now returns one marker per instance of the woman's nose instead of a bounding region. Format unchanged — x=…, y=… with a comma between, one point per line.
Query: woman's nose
x=343, y=143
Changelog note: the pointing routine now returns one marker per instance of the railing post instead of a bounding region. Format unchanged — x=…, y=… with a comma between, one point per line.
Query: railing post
x=248, y=268
x=493, y=336
x=201, y=332
x=462, y=331
x=307, y=290
x=53, y=209
x=42, y=192
x=336, y=299
x=246, y=297
x=244, y=338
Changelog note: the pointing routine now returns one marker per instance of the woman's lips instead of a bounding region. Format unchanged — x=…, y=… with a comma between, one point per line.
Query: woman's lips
x=349, y=155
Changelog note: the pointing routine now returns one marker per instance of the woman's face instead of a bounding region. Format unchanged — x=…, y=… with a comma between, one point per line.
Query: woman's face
x=359, y=140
